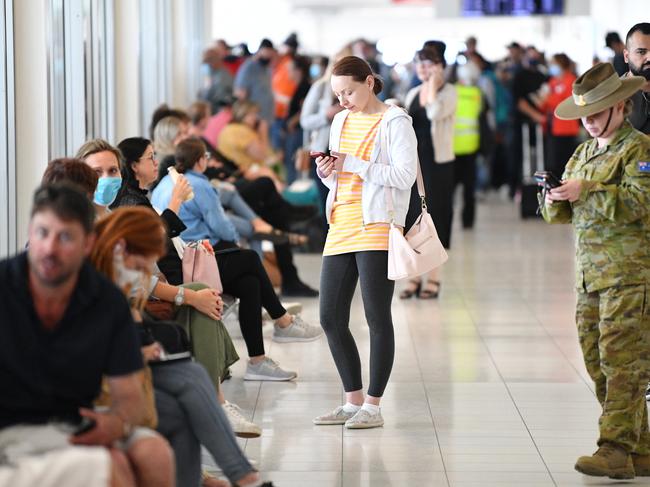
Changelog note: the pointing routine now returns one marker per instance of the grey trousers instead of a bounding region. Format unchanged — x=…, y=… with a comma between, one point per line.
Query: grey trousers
x=189, y=416
x=339, y=277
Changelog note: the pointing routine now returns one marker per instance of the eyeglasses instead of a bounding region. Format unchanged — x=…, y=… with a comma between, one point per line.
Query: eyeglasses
x=153, y=156
x=207, y=155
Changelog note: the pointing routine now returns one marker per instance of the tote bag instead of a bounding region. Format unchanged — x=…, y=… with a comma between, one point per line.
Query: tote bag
x=200, y=265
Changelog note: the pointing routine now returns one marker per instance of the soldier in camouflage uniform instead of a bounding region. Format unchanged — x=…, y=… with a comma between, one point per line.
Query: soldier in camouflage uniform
x=605, y=194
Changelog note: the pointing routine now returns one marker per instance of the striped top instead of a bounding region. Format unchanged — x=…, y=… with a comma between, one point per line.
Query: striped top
x=347, y=232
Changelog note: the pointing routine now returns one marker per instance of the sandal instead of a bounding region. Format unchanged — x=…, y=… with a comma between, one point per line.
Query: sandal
x=275, y=236
x=430, y=292
x=412, y=289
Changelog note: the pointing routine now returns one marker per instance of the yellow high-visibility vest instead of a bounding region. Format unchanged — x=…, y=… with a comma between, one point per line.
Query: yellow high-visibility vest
x=466, y=131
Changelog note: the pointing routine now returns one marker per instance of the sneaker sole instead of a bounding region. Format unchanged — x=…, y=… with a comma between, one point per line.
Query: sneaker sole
x=267, y=378
x=622, y=474
x=329, y=423
x=364, y=426
x=295, y=339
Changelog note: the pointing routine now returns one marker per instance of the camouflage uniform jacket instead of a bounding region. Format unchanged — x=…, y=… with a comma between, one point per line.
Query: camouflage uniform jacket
x=612, y=215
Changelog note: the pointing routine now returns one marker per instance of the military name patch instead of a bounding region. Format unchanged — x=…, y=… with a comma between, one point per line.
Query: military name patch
x=644, y=166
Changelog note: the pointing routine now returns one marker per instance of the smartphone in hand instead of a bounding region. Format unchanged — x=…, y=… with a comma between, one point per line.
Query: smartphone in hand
x=547, y=179
x=316, y=154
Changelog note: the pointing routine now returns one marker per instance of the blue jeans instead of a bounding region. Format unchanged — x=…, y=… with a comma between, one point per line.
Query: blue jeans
x=292, y=143
x=190, y=416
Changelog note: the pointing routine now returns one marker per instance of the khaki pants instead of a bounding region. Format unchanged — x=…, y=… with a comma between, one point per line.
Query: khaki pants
x=614, y=332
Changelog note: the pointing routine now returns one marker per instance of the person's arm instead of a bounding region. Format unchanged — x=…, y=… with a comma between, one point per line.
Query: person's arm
x=555, y=211
x=629, y=200
x=402, y=170
x=530, y=111
x=207, y=301
x=241, y=82
x=443, y=105
x=314, y=114
x=206, y=199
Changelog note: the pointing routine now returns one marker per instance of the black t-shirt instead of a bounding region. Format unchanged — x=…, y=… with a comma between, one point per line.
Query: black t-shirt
x=640, y=116
x=526, y=82
x=49, y=374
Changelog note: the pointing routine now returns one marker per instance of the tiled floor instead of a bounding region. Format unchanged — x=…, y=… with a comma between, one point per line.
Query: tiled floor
x=488, y=387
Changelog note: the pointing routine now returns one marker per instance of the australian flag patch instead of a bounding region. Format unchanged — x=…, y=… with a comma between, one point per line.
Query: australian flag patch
x=643, y=166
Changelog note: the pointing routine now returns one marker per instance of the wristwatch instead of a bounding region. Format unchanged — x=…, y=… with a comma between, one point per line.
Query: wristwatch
x=179, y=299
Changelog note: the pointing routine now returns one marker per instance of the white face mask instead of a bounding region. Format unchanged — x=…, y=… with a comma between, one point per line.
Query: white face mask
x=134, y=283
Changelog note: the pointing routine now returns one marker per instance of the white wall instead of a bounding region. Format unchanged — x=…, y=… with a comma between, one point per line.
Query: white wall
x=31, y=106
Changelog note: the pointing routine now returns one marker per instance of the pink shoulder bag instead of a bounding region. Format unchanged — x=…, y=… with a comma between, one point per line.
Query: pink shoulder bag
x=200, y=265
x=420, y=250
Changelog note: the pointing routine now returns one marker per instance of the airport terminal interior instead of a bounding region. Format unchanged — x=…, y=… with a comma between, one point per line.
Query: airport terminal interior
x=489, y=386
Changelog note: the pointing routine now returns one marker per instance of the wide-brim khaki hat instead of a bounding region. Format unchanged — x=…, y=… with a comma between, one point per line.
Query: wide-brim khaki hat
x=596, y=90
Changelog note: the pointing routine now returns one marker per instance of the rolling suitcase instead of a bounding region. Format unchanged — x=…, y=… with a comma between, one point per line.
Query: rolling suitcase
x=532, y=160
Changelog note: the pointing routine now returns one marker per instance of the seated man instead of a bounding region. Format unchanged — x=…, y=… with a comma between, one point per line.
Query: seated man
x=64, y=327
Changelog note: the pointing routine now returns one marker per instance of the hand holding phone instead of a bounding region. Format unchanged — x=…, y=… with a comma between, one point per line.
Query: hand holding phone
x=317, y=154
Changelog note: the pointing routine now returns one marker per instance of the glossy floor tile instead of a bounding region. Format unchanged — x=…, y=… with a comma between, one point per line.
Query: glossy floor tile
x=488, y=387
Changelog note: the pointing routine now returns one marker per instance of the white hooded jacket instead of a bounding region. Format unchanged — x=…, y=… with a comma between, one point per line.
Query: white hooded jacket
x=393, y=164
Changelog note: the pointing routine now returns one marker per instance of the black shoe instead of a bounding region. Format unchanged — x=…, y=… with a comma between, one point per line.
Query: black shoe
x=299, y=290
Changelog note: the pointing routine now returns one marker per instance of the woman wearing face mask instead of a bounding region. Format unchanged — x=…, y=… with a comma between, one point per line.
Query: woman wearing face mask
x=432, y=105
x=129, y=241
x=357, y=242
x=562, y=134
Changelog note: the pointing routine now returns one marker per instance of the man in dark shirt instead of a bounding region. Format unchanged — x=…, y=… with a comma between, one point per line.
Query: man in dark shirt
x=637, y=56
x=614, y=42
x=64, y=327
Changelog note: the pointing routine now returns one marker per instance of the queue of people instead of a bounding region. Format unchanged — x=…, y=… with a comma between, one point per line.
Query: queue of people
x=132, y=399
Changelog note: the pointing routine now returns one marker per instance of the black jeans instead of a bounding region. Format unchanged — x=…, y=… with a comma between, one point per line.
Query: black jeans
x=338, y=282
x=243, y=276
x=262, y=196
x=465, y=174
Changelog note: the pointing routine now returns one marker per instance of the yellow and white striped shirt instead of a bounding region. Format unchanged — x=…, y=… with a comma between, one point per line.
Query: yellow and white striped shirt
x=347, y=232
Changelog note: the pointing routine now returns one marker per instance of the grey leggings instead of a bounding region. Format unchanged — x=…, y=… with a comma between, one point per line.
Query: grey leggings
x=337, y=285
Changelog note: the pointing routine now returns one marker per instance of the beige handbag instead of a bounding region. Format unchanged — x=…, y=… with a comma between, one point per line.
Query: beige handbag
x=420, y=250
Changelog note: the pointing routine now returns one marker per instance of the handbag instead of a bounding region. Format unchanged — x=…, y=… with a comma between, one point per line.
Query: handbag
x=200, y=265
x=420, y=250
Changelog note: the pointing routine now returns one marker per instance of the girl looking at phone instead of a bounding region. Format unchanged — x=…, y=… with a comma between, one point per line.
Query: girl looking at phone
x=356, y=249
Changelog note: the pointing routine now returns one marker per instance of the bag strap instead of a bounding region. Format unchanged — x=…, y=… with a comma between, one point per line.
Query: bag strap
x=387, y=191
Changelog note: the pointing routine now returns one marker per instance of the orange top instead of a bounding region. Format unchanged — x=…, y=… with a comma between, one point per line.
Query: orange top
x=347, y=232
x=561, y=88
x=283, y=87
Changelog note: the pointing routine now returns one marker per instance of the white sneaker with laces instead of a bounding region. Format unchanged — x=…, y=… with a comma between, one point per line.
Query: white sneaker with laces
x=339, y=416
x=291, y=308
x=364, y=419
x=240, y=425
x=297, y=331
x=268, y=369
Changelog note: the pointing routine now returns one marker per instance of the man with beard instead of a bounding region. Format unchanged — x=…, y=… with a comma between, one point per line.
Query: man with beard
x=637, y=55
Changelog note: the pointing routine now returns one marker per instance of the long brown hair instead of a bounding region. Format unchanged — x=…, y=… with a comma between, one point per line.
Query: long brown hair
x=141, y=229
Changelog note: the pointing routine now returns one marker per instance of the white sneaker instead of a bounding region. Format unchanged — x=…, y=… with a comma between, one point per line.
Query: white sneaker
x=240, y=425
x=268, y=369
x=338, y=416
x=297, y=331
x=291, y=308
x=365, y=419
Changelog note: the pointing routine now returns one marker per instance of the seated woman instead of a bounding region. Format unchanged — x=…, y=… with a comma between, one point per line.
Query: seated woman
x=197, y=307
x=245, y=142
x=128, y=243
x=242, y=273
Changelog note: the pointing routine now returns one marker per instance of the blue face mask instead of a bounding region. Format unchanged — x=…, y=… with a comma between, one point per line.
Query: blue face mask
x=554, y=70
x=315, y=71
x=107, y=189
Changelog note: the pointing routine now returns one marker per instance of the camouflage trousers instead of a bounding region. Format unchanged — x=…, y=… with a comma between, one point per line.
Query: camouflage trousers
x=614, y=332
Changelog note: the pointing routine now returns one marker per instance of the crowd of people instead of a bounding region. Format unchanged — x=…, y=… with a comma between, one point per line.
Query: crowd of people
x=132, y=399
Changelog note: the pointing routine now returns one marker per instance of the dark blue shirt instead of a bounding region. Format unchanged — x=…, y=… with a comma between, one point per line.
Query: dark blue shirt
x=49, y=374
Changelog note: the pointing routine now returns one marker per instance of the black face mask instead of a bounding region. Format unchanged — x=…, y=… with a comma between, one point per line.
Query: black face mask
x=644, y=71
x=213, y=173
x=264, y=61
